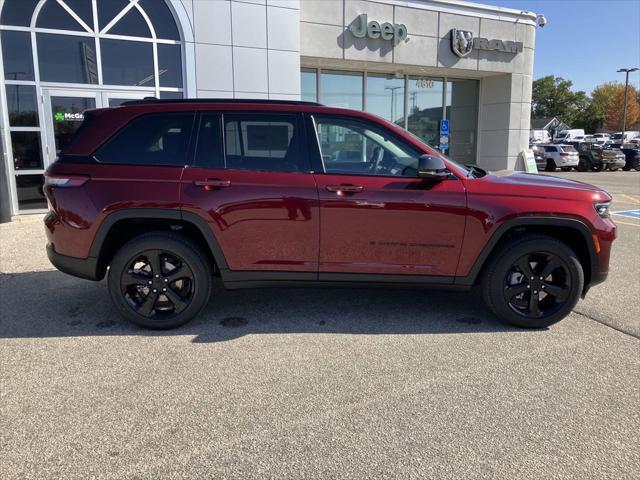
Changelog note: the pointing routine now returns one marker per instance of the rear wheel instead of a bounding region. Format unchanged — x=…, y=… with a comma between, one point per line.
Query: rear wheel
x=534, y=282
x=160, y=280
x=551, y=165
x=597, y=167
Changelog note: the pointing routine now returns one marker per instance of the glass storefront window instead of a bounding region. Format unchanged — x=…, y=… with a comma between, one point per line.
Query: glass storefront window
x=132, y=24
x=16, y=54
x=67, y=58
x=127, y=63
x=18, y=12
x=27, y=151
x=308, y=86
x=170, y=65
x=341, y=89
x=52, y=15
x=108, y=9
x=30, y=194
x=68, y=114
x=385, y=97
x=425, y=108
x=462, y=112
x=171, y=95
x=161, y=19
x=22, y=105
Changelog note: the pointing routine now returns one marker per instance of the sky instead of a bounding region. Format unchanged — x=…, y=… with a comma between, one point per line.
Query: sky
x=584, y=41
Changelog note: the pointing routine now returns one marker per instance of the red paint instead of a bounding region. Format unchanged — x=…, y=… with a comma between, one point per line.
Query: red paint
x=308, y=222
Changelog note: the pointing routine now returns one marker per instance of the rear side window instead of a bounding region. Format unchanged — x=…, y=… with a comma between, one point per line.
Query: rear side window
x=156, y=139
x=267, y=142
x=550, y=149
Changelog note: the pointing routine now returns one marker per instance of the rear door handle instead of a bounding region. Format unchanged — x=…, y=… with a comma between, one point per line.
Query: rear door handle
x=342, y=189
x=212, y=183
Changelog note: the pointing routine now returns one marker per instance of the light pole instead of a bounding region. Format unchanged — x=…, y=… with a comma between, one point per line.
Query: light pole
x=627, y=71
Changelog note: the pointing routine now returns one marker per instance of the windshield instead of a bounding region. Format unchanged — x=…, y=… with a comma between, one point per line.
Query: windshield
x=616, y=136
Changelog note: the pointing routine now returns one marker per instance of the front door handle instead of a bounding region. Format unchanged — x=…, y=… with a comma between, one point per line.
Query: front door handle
x=341, y=190
x=212, y=183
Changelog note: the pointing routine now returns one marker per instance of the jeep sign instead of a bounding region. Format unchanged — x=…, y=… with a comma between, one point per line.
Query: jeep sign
x=397, y=32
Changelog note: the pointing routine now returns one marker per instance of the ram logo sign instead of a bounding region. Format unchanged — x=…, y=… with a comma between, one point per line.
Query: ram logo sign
x=463, y=42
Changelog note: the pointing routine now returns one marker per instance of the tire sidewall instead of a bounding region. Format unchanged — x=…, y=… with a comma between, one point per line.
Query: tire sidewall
x=169, y=243
x=493, y=282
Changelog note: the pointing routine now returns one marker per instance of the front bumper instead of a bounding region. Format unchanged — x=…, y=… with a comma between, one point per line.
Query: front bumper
x=86, y=268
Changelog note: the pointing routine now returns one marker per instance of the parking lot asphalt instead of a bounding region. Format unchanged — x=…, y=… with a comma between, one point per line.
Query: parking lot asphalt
x=317, y=383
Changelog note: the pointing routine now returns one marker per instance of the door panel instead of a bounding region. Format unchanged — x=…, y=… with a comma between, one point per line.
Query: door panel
x=387, y=225
x=262, y=221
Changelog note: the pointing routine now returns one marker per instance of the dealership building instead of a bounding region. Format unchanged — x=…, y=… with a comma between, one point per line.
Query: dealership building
x=413, y=62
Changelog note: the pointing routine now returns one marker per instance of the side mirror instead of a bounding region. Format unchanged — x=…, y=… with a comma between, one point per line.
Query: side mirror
x=432, y=167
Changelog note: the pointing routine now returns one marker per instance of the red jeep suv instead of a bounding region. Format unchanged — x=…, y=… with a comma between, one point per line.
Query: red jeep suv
x=164, y=195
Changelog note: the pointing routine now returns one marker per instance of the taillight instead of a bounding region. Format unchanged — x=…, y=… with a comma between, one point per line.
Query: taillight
x=564, y=154
x=65, y=181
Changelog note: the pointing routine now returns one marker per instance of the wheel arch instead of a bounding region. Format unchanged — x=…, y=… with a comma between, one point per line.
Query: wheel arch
x=572, y=232
x=121, y=226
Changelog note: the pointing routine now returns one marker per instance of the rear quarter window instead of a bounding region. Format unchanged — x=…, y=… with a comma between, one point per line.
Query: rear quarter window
x=155, y=139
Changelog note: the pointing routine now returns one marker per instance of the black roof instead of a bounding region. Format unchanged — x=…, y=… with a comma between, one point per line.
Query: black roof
x=153, y=100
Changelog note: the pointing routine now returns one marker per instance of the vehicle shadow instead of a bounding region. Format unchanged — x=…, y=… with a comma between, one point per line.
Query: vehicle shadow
x=52, y=304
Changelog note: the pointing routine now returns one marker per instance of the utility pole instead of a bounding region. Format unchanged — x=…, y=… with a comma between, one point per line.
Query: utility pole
x=393, y=101
x=627, y=71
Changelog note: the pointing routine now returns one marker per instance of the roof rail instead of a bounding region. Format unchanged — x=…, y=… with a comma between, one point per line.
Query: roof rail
x=153, y=100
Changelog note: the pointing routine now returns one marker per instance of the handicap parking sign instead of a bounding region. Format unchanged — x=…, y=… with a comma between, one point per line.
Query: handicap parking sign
x=444, y=128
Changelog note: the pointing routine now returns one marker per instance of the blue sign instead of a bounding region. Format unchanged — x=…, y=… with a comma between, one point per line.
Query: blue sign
x=444, y=127
x=628, y=213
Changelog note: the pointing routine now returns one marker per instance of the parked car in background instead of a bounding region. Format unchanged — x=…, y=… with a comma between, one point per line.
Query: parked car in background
x=601, y=137
x=632, y=158
x=563, y=156
x=617, y=139
x=565, y=136
x=161, y=196
x=595, y=157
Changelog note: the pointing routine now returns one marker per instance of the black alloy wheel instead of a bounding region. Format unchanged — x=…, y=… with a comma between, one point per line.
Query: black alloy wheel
x=537, y=285
x=532, y=281
x=157, y=284
x=160, y=280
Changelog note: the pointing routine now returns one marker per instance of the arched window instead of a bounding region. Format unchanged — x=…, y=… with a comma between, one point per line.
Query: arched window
x=98, y=53
x=134, y=43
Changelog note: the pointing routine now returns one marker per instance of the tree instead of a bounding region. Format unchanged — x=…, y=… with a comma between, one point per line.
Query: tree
x=613, y=116
x=602, y=98
x=552, y=97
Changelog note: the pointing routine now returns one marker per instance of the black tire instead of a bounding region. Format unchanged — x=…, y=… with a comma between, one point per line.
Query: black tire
x=184, y=273
x=613, y=169
x=551, y=166
x=597, y=167
x=565, y=169
x=503, y=269
x=584, y=164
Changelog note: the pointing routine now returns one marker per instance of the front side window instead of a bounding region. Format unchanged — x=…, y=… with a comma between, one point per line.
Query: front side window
x=160, y=139
x=354, y=147
x=267, y=142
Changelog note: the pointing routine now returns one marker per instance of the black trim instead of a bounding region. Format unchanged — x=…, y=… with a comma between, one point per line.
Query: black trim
x=385, y=278
x=86, y=268
x=154, y=101
x=498, y=235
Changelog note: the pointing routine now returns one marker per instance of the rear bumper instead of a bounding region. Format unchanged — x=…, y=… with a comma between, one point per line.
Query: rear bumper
x=86, y=268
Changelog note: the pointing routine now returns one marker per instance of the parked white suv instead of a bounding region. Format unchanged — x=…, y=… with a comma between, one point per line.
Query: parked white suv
x=563, y=156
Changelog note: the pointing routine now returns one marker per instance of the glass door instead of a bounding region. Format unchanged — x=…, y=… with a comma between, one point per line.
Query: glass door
x=64, y=113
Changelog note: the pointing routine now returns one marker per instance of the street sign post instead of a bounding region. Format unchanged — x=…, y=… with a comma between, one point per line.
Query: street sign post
x=444, y=135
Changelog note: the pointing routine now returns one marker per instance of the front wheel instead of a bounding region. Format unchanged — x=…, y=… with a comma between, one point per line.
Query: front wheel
x=584, y=164
x=597, y=167
x=160, y=280
x=534, y=282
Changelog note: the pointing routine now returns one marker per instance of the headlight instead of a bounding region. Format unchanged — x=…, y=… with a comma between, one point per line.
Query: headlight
x=602, y=208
